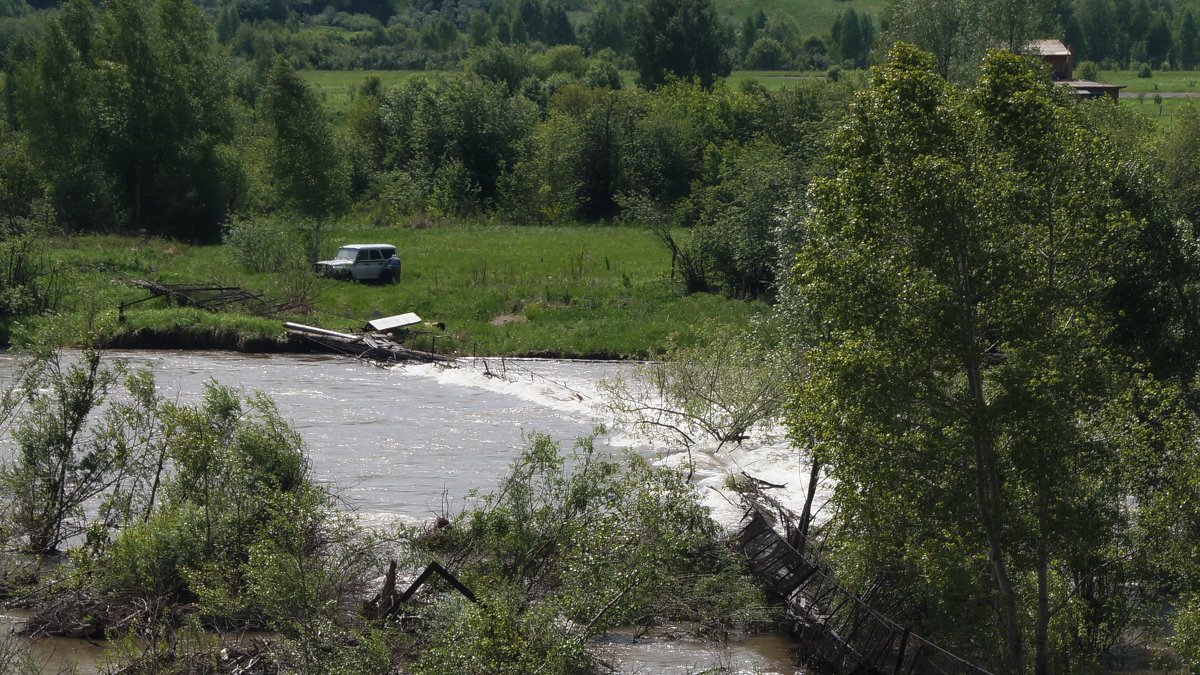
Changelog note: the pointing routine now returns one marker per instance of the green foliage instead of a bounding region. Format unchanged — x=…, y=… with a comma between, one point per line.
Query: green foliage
x=970, y=425
x=503, y=636
x=735, y=233
x=509, y=65
x=29, y=285
x=458, y=136
x=213, y=509
x=851, y=39
x=263, y=244
x=147, y=558
x=306, y=160
x=1087, y=70
x=69, y=453
x=679, y=39
x=952, y=30
x=126, y=110
x=1182, y=165
x=241, y=529
x=767, y=53
x=720, y=392
x=607, y=543
x=17, y=658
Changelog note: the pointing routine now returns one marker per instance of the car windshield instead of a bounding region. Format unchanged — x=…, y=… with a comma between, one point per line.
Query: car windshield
x=346, y=254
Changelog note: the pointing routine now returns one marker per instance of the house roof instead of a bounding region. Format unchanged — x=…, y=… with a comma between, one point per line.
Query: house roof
x=1088, y=84
x=1048, y=48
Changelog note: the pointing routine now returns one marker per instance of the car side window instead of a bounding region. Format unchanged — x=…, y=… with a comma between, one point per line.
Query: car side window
x=375, y=255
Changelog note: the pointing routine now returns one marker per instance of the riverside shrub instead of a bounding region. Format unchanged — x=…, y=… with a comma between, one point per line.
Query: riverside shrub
x=571, y=546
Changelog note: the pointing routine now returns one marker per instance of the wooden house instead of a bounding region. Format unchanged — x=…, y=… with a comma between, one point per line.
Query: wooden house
x=1062, y=68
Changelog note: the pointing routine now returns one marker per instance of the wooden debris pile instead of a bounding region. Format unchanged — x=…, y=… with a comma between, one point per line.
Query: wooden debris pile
x=214, y=298
x=378, y=348
x=243, y=657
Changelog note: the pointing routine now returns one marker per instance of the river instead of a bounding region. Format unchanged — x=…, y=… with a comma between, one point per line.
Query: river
x=412, y=442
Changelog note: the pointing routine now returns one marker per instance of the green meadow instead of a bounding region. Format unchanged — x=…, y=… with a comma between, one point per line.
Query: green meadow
x=1159, y=81
x=575, y=291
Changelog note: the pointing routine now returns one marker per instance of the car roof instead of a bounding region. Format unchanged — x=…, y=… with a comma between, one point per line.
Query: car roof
x=367, y=246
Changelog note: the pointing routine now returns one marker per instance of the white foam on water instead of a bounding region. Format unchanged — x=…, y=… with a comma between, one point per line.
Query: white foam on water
x=776, y=464
x=532, y=382
x=767, y=457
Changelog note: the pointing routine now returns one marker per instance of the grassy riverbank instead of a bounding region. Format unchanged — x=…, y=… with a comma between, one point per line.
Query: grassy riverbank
x=562, y=291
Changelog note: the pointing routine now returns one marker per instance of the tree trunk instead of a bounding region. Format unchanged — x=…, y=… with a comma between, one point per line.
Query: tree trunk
x=806, y=515
x=1042, y=628
x=988, y=488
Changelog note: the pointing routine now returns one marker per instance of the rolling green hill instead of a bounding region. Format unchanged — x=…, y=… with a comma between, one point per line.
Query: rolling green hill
x=813, y=16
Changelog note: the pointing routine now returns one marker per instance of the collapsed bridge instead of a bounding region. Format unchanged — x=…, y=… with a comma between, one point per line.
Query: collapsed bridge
x=837, y=629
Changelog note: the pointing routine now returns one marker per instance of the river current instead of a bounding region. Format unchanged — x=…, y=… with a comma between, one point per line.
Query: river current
x=412, y=442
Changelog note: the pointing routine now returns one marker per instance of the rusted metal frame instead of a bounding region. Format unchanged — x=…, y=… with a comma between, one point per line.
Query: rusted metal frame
x=757, y=526
x=756, y=551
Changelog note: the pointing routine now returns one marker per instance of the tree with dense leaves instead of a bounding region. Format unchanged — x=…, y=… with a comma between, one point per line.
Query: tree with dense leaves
x=851, y=37
x=679, y=38
x=1188, y=41
x=962, y=280
x=306, y=159
x=951, y=30
x=127, y=111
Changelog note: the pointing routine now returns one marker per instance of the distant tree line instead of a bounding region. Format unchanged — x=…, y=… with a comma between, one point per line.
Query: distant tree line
x=424, y=34
x=1126, y=33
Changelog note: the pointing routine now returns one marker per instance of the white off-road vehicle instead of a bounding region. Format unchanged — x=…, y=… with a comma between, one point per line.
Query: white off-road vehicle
x=362, y=262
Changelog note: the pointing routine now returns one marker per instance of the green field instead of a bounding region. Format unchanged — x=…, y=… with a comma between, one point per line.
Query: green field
x=337, y=88
x=1169, y=80
x=1164, y=115
x=570, y=291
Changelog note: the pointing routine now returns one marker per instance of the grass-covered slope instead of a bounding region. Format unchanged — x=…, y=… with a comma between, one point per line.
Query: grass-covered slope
x=813, y=16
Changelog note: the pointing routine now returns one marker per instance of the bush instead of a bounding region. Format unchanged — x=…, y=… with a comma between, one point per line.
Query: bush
x=1087, y=70
x=241, y=473
x=1143, y=71
x=767, y=53
x=73, y=447
x=834, y=74
x=263, y=244
x=560, y=556
x=148, y=559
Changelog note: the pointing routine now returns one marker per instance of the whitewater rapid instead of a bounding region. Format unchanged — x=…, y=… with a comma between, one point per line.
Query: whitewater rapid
x=767, y=455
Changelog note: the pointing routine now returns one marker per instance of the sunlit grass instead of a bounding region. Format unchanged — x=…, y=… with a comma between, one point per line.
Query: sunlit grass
x=1160, y=80
x=1163, y=113
x=338, y=88
x=570, y=291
